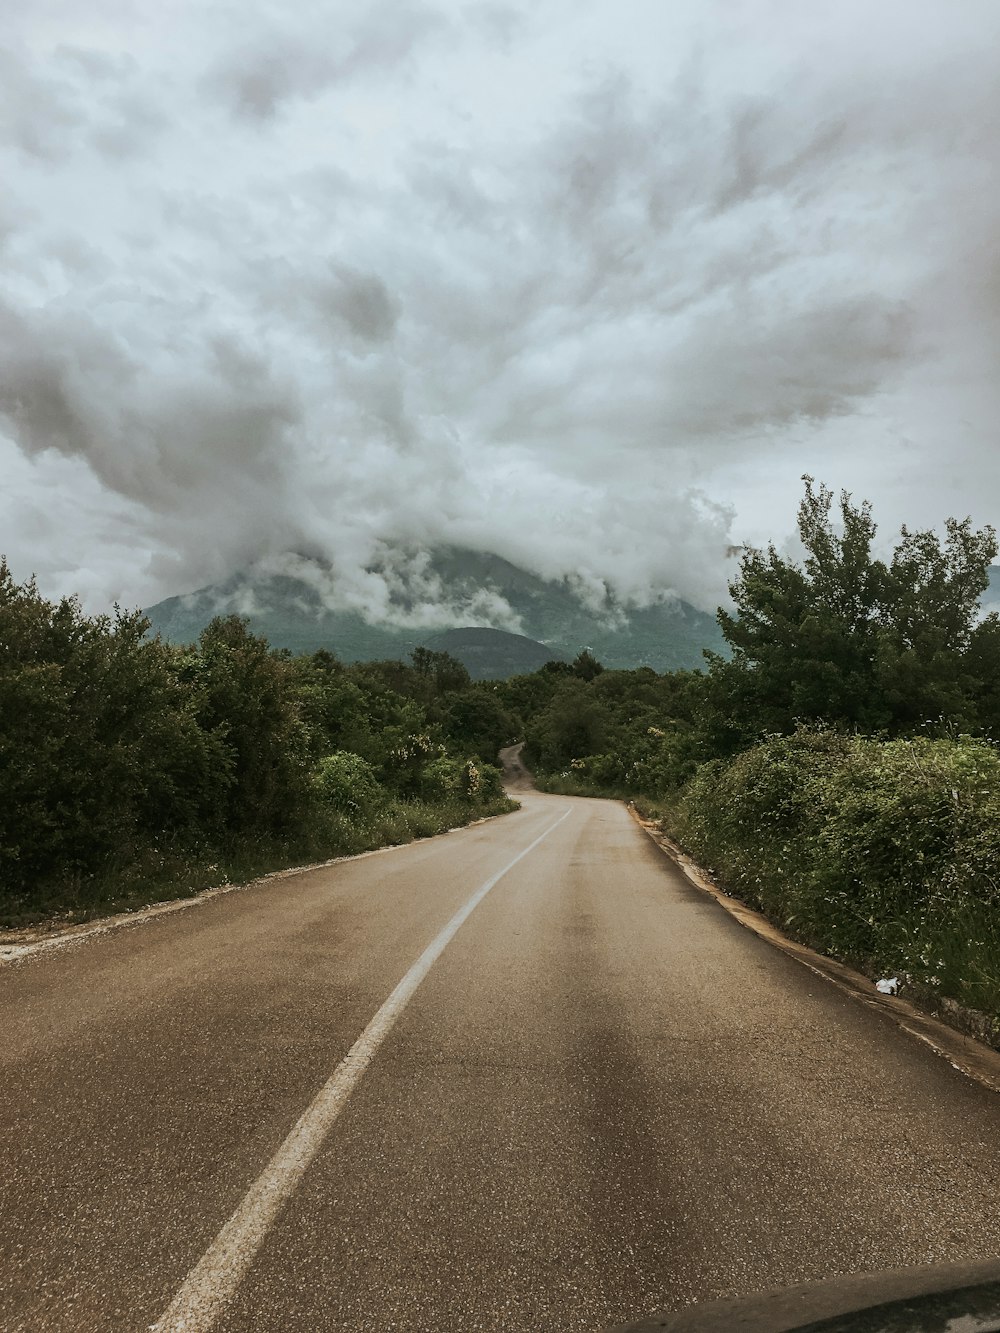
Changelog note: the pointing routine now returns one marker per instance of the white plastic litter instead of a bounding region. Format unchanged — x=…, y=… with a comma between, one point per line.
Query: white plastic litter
x=888, y=986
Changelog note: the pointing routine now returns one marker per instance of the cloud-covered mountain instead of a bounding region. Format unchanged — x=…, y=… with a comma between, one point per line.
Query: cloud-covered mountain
x=299, y=604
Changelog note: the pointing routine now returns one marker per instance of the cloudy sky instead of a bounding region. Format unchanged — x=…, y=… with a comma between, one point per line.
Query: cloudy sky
x=589, y=285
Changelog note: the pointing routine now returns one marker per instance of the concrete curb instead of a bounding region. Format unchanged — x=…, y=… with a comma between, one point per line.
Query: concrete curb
x=971, y=1057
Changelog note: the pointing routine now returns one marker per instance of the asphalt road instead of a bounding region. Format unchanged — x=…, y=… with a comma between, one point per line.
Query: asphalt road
x=604, y=1097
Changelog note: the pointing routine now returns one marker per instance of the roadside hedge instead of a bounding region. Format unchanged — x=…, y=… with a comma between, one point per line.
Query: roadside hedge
x=882, y=853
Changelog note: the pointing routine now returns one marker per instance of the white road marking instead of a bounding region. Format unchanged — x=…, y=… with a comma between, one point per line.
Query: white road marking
x=214, y=1280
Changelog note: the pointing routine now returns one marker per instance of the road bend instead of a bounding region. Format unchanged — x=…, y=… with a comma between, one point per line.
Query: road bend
x=520, y=1077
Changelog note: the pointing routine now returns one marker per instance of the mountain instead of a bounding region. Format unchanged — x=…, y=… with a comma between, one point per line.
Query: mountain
x=555, y=622
x=493, y=654
x=288, y=612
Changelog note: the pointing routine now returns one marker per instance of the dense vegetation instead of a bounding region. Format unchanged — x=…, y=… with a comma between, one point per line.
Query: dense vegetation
x=130, y=768
x=840, y=769
x=885, y=853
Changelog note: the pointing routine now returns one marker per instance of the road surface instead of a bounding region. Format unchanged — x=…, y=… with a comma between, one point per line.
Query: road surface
x=599, y=1097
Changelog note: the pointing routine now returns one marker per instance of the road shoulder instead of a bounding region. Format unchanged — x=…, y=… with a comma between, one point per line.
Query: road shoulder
x=966, y=1054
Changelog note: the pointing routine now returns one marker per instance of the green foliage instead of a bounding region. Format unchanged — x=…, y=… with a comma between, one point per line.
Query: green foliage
x=586, y=666
x=573, y=725
x=444, y=671
x=475, y=721
x=448, y=778
x=847, y=638
x=100, y=744
x=406, y=764
x=348, y=783
x=875, y=851
x=442, y=779
x=526, y=696
x=245, y=697
x=129, y=766
x=623, y=731
x=489, y=787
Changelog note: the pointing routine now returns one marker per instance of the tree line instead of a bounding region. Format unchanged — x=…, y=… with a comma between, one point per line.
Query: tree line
x=130, y=767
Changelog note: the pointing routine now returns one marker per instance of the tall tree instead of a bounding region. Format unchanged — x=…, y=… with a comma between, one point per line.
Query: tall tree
x=846, y=637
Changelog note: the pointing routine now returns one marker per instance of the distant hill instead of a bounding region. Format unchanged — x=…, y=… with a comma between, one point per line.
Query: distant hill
x=288, y=612
x=494, y=654
x=554, y=621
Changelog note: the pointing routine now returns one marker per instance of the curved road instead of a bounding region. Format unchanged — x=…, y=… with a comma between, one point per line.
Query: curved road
x=599, y=1097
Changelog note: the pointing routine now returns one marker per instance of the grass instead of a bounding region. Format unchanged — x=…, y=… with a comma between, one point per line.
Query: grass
x=135, y=878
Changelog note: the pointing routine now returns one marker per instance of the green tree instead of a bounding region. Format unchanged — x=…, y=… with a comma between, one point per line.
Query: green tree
x=441, y=671
x=573, y=726
x=475, y=721
x=100, y=748
x=586, y=666
x=983, y=662
x=247, y=699
x=845, y=637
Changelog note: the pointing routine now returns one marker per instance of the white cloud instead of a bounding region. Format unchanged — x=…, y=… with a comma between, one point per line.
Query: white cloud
x=573, y=284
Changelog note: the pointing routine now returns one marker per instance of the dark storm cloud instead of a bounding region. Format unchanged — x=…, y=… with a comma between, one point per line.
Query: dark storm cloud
x=157, y=435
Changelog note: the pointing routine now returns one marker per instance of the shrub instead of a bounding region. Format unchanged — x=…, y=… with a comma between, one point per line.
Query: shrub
x=490, y=783
x=447, y=778
x=885, y=853
x=348, y=783
x=441, y=780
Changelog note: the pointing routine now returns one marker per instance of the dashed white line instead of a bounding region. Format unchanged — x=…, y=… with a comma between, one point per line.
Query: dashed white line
x=214, y=1280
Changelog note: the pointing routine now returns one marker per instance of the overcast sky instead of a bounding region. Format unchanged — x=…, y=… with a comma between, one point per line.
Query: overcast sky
x=587, y=284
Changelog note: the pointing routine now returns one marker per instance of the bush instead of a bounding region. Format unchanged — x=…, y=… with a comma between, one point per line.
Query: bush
x=441, y=780
x=406, y=765
x=490, y=783
x=447, y=778
x=347, y=783
x=883, y=853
